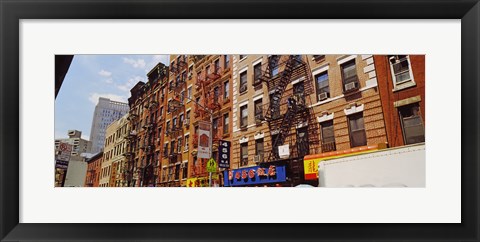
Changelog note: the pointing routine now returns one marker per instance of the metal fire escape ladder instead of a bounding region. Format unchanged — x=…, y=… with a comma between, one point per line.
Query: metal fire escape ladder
x=284, y=130
x=288, y=118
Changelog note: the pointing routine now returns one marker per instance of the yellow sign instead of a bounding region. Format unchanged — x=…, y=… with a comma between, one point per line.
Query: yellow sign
x=200, y=181
x=211, y=165
x=310, y=163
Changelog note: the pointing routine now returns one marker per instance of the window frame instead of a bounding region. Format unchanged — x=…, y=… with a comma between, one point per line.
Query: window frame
x=350, y=131
x=403, y=84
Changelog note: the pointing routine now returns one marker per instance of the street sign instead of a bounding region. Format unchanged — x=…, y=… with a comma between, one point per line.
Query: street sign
x=204, y=149
x=65, y=151
x=211, y=165
x=224, y=154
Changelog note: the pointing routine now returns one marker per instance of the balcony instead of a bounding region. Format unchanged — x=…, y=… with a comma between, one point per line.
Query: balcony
x=214, y=73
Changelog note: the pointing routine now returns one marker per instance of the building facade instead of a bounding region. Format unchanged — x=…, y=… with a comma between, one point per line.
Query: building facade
x=401, y=82
x=77, y=145
x=147, y=112
x=212, y=93
x=94, y=165
x=106, y=111
x=287, y=107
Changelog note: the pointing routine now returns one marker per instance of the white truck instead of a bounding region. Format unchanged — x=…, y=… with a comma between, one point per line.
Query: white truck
x=392, y=167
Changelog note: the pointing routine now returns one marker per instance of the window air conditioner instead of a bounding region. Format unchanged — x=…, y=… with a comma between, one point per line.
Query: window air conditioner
x=322, y=96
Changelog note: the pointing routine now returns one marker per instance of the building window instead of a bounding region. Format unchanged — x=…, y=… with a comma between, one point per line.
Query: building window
x=189, y=93
x=187, y=137
x=349, y=76
x=227, y=61
x=259, y=147
x=412, y=124
x=356, y=128
x=243, y=116
x=215, y=127
x=328, y=136
x=257, y=73
x=273, y=62
x=185, y=170
x=179, y=145
x=243, y=82
x=323, y=89
x=177, y=171
x=172, y=147
x=170, y=173
x=258, y=111
x=318, y=58
x=243, y=57
x=226, y=91
x=244, y=154
x=400, y=66
x=226, y=122
x=217, y=66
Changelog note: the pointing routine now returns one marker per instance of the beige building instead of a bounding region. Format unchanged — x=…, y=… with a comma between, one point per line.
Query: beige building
x=114, y=159
x=286, y=107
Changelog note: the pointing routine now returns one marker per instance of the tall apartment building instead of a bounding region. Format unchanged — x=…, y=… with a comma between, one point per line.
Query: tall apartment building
x=401, y=82
x=287, y=107
x=114, y=160
x=176, y=121
x=106, y=111
x=147, y=112
x=213, y=103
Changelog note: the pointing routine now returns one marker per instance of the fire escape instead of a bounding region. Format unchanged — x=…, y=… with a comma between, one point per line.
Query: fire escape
x=176, y=108
x=289, y=109
x=130, y=152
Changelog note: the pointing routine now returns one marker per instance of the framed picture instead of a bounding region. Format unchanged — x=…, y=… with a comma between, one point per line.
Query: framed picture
x=446, y=207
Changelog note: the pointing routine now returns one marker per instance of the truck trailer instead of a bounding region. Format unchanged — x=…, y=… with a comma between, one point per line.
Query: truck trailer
x=391, y=167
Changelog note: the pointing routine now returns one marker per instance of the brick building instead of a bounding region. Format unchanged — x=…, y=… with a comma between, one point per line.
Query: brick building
x=147, y=108
x=92, y=178
x=173, y=167
x=286, y=107
x=401, y=83
x=213, y=103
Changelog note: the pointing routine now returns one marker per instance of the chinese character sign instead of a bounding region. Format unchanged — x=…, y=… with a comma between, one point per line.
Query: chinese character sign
x=204, y=149
x=224, y=154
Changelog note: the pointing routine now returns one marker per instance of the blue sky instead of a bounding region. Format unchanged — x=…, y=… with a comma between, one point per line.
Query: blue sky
x=94, y=76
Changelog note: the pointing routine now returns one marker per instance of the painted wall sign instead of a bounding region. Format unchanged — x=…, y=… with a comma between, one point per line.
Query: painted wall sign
x=224, y=154
x=254, y=175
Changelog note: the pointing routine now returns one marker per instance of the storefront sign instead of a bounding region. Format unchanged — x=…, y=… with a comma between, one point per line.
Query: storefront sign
x=254, y=175
x=202, y=181
x=224, y=154
x=204, y=149
x=61, y=164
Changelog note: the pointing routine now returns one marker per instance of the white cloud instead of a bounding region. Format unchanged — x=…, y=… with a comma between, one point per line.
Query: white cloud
x=109, y=81
x=139, y=63
x=105, y=73
x=94, y=97
x=130, y=83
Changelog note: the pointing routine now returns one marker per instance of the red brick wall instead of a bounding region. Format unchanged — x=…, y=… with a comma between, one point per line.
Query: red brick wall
x=388, y=96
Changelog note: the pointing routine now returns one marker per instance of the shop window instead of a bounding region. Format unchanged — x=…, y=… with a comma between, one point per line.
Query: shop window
x=412, y=124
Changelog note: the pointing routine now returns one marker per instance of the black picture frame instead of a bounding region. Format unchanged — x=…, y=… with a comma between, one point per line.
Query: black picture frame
x=13, y=11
